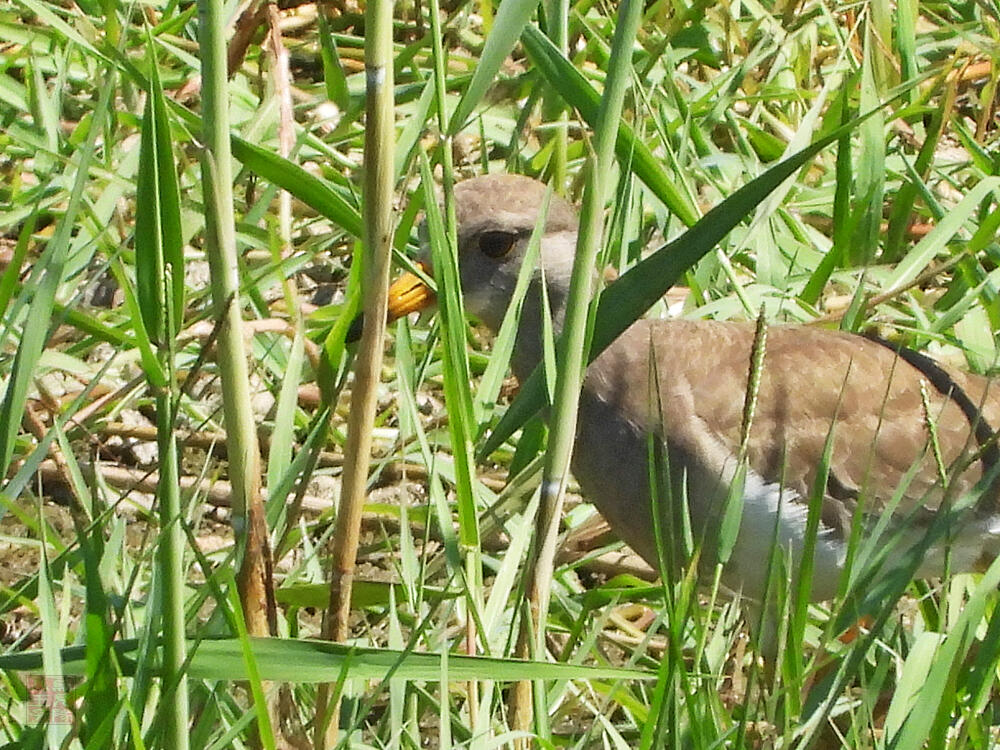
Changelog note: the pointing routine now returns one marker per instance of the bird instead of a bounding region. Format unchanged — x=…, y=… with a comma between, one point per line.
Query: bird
x=908, y=435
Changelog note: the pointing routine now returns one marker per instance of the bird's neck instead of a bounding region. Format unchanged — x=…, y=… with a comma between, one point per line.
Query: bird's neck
x=529, y=347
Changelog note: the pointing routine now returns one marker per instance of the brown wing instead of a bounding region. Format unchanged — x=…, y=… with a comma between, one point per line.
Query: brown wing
x=813, y=381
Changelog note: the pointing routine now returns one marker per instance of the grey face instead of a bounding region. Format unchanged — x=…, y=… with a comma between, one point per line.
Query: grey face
x=497, y=215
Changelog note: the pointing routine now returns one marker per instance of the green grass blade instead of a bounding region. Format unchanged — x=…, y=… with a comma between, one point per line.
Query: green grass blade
x=870, y=168
x=937, y=693
x=301, y=661
x=50, y=658
x=565, y=78
x=511, y=19
x=333, y=71
x=297, y=181
x=935, y=242
x=159, y=245
x=39, y=319
x=456, y=366
x=8, y=281
x=101, y=695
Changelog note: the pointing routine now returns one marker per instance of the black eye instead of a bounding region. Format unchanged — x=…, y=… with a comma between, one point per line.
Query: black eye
x=496, y=244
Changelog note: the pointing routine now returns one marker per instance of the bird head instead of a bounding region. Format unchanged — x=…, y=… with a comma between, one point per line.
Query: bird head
x=496, y=217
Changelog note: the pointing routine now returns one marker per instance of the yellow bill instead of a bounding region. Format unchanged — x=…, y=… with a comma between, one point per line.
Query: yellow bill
x=408, y=294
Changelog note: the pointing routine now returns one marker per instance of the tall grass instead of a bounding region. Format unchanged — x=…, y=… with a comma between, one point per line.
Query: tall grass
x=886, y=223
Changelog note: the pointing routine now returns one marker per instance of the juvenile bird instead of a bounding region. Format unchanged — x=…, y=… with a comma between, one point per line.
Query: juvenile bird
x=684, y=382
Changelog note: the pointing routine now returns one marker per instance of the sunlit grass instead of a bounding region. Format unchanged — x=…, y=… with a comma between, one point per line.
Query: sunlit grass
x=890, y=229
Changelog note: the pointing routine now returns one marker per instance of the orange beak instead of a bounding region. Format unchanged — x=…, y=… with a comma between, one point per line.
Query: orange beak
x=408, y=294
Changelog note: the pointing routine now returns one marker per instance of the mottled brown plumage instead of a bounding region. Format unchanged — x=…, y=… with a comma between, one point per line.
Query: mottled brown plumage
x=813, y=380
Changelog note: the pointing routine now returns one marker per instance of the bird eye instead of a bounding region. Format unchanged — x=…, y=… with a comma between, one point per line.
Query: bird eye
x=496, y=244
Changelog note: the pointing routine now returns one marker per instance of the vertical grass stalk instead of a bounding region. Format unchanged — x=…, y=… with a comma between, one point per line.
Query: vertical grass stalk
x=249, y=523
x=574, y=343
x=554, y=108
x=159, y=269
x=455, y=361
x=376, y=257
